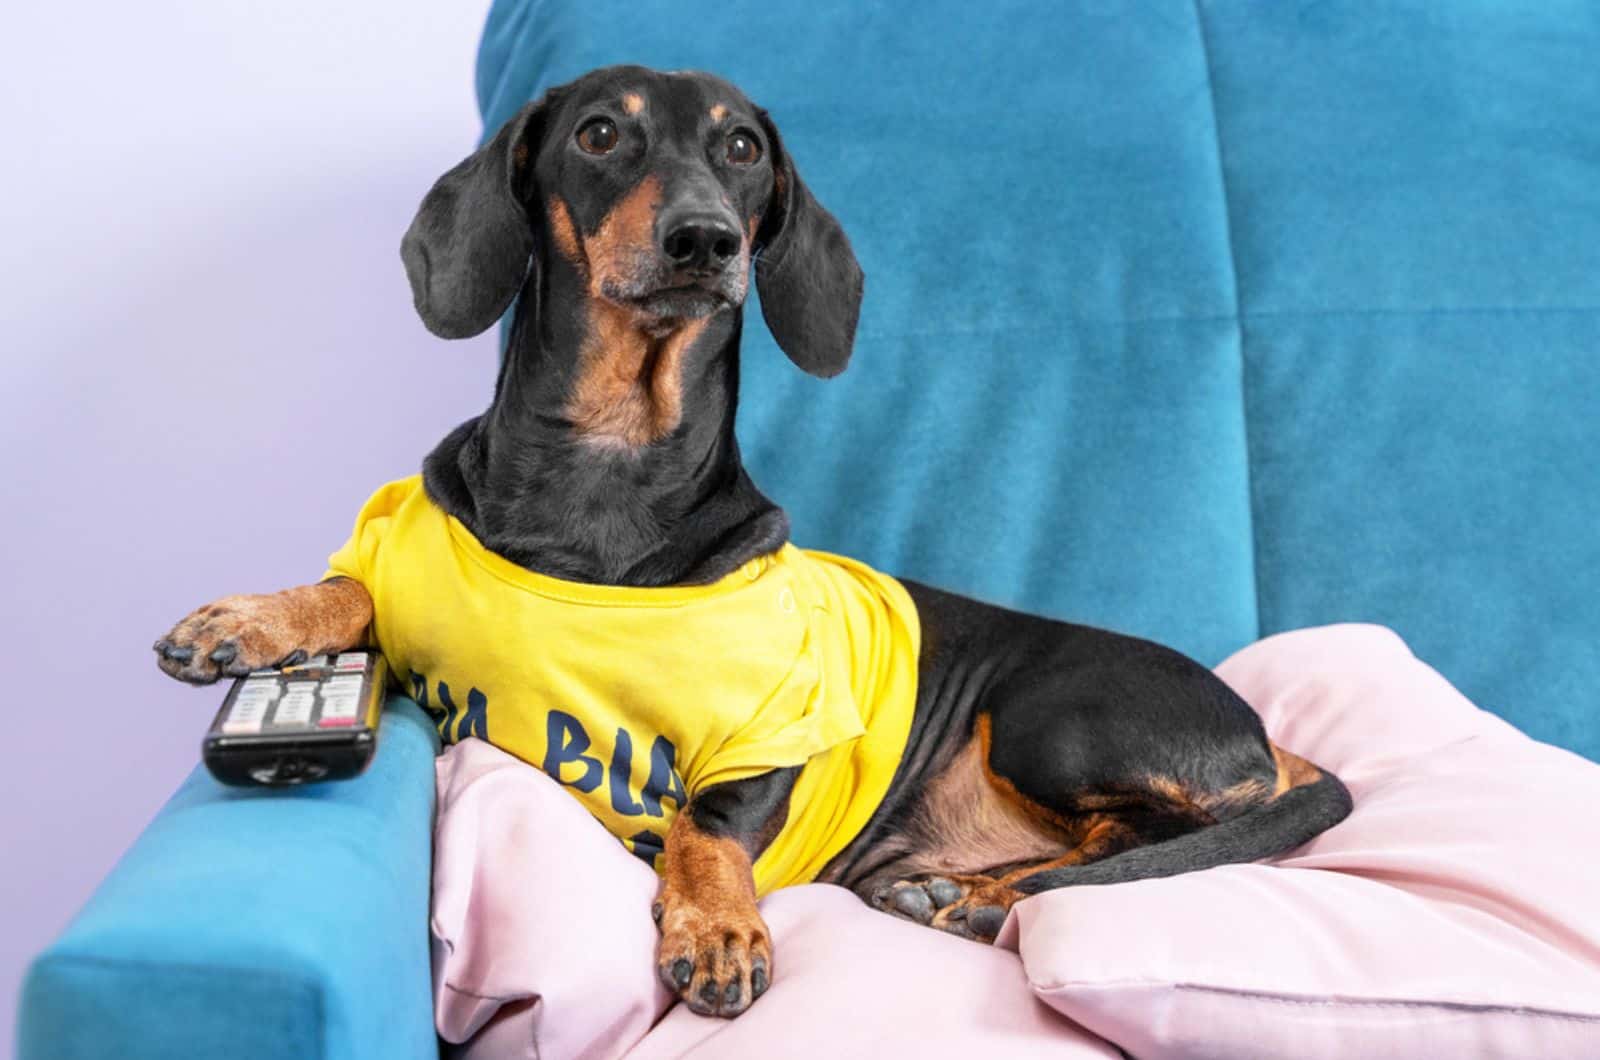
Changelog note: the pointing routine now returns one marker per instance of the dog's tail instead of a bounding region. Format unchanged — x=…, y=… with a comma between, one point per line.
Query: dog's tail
x=1281, y=823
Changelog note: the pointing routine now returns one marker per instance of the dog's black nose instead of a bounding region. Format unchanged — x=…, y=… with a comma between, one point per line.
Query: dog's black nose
x=697, y=241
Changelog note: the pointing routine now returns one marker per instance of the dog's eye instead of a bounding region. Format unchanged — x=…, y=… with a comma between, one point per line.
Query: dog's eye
x=599, y=136
x=743, y=148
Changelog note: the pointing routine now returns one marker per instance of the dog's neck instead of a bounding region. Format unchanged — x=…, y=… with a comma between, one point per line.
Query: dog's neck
x=608, y=455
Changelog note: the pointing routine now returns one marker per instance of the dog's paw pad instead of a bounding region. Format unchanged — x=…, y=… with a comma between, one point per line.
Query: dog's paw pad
x=920, y=899
x=981, y=912
x=972, y=907
x=914, y=902
x=985, y=921
x=944, y=892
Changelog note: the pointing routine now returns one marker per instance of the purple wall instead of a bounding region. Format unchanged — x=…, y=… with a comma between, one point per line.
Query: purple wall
x=208, y=359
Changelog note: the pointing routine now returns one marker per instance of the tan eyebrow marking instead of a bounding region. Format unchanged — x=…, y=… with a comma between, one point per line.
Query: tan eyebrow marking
x=718, y=112
x=633, y=103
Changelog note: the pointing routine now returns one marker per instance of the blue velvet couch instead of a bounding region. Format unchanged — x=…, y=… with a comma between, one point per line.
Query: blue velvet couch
x=1196, y=320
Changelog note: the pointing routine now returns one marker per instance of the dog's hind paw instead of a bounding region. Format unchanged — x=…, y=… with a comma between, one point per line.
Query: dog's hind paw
x=973, y=907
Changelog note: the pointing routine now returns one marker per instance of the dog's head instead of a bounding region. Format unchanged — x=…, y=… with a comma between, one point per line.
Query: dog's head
x=656, y=190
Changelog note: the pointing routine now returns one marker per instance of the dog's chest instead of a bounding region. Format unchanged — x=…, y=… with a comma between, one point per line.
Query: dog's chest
x=635, y=699
x=631, y=704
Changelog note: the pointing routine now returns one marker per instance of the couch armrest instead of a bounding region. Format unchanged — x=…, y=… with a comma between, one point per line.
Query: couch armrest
x=257, y=923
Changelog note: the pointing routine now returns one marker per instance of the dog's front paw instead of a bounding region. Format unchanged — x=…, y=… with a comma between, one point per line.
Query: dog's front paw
x=229, y=638
x=717, y=959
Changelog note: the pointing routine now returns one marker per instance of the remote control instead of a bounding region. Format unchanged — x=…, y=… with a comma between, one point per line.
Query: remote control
x=314, y=720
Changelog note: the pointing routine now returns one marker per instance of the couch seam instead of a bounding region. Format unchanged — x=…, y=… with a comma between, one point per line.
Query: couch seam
x=1322, y=1002
x=1055, y=324
x=1238, y=313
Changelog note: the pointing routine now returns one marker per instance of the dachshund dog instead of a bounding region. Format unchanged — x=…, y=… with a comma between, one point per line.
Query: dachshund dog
x=624, y=214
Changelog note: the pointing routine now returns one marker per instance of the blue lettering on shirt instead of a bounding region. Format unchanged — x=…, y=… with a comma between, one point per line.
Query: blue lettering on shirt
x=476, y=720
x=646, y=846
x=664, y=782
x=621, y=767
x=565, y=741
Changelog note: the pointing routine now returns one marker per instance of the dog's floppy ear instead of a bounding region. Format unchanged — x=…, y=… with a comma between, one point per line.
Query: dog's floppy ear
x=467, y=250
x=809, y=279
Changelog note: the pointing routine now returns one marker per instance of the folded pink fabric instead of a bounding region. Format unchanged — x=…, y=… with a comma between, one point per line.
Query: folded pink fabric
x=1454, y=914
x=542, y=937
x=853, y=982
x=544, y=947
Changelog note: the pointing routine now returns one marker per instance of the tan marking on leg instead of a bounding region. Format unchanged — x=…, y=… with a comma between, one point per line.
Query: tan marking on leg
x=984, y=736
x=262, y=630
x=706, y=910
x=1098, y=837
x=1293, y=771
x=632, y=103
x=1169, y=790
x=1101, y=837
x=966, y=823
x=1236, y=797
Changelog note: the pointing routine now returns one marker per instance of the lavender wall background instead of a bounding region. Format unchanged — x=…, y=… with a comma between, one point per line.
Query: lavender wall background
x=208, y=358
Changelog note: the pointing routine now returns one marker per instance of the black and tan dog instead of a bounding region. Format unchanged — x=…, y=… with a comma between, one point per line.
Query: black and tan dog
x=626, y=209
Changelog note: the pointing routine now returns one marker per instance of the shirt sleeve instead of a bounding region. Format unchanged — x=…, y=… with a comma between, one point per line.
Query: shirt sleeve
x=355, y=558
x=811, y=711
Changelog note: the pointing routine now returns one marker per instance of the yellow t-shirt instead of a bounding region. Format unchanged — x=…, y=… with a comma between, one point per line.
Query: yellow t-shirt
x=635, y=699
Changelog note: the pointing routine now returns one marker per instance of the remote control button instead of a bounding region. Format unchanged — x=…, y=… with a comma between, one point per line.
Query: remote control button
x=250, y=706
x=351, y=660
x=340, y=705
x=253, y=693
x=334, y=690
x=295, y=708
x=336, y=723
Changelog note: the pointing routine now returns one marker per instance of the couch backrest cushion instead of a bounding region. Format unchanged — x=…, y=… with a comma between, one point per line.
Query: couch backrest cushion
x=1194, y=320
